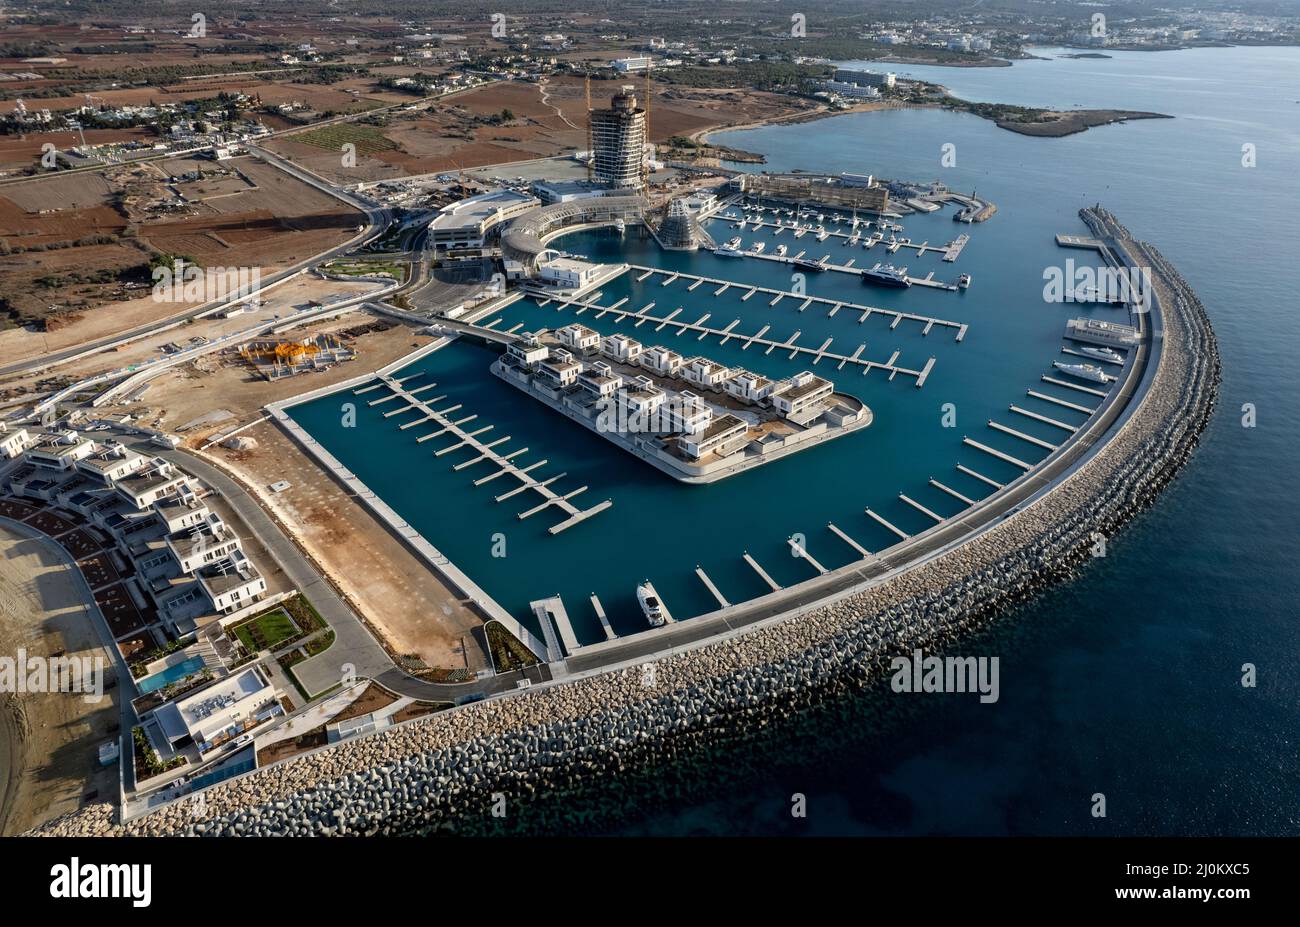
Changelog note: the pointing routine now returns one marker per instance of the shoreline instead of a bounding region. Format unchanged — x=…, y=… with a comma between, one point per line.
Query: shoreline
x=1071, y=122
x=558, y=737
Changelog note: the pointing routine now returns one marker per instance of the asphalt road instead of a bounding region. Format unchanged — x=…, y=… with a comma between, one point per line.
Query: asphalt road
x=378, y=220
x=355, y=648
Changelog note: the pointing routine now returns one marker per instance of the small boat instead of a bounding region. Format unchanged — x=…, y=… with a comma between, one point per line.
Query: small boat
x=651, y=607
x=757, y=247
x=620, y=226
x=808, y=264
x=781, y=250
x=963, y=281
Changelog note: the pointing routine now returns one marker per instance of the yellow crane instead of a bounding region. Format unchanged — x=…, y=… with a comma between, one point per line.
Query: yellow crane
x=591, y=154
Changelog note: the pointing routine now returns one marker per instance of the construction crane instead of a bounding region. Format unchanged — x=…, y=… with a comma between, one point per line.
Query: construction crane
x=591, y=151
x=645, y=162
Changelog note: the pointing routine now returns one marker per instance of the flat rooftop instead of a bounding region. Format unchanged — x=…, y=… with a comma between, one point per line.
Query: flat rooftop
x=476, y=210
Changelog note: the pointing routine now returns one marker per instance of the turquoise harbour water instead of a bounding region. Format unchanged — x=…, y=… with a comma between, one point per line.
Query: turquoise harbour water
x=1125, y=682
x=662, y=529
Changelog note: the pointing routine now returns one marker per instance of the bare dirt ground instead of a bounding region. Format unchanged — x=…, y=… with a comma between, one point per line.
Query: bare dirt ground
x=228, y=383
x=48, y=741
x=413, y=608
x=16, y=344
x=398, y=594
x=254, y=216
x=455, y=132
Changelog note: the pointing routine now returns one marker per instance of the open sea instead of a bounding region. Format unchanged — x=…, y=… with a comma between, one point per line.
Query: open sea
x=1125, y=682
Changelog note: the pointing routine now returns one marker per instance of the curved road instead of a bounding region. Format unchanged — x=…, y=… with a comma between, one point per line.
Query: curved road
x=353, y=642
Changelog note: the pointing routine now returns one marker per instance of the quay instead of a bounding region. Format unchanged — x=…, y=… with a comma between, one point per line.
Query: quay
x=835, y=304
x=708, y=584
x=939, y=519
x=802, y=552
x=1042, y=418
x=724, y=285
x=551, y=613
x=1060, y=402
x=903, y=535
x=761, y=572
x=1074, y=386
x=862, y=551
x=866, y=241
x=1046, y=445
x=600, y=616
x=980, y=476
x=952, y=492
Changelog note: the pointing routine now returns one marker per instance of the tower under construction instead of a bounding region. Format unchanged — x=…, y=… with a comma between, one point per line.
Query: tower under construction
x=618, y=142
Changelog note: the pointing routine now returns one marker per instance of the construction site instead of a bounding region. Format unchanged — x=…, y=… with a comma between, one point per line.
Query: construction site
x=285, y=357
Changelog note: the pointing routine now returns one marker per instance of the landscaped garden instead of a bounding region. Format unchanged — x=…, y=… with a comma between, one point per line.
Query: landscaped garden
x=266, y=631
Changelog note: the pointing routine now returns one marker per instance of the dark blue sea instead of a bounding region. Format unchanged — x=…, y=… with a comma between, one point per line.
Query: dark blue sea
x=1126, y=682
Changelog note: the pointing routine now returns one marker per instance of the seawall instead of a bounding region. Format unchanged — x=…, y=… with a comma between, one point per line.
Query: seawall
x=429, y=773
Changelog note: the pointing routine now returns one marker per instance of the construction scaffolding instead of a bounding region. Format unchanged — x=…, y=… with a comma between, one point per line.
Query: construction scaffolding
x=282, y=357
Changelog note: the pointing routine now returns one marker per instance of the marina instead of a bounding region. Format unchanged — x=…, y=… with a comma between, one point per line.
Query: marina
x=741, y=314
x=504, y=465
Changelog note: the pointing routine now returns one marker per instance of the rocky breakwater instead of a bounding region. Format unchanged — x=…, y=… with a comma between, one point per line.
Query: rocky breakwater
x=448, y=771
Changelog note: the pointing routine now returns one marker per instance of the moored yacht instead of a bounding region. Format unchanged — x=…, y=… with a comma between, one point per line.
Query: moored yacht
x=887, y=275
x=1106, y=354
x=651, y=607
x=1084, y=372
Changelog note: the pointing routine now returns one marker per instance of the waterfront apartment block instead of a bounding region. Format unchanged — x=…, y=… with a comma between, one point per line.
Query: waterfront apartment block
x=220, y=713
x=884, y=80
x=182, y=562
x=644, y=400
x=579, y=338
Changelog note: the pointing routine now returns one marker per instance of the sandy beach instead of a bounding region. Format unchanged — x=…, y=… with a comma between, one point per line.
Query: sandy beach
x=48, y=742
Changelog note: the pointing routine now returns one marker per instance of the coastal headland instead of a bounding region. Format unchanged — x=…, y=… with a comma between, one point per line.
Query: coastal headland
x=441, y=772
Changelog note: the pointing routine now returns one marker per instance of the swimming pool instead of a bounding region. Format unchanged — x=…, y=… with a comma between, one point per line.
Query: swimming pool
x=169, y=675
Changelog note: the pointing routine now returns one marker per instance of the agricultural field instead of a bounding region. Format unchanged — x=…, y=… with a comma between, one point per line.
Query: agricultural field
x=367, y=139
x=71, y=244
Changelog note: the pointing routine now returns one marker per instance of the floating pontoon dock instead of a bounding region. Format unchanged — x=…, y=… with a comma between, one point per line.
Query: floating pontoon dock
x=504, y=463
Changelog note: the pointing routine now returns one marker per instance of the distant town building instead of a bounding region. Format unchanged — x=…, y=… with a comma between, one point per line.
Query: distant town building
x=853, y=91
x=879, y=80
x=631, y=65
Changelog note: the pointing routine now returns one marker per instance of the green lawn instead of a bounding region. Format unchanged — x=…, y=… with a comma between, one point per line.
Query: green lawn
x=266, y=632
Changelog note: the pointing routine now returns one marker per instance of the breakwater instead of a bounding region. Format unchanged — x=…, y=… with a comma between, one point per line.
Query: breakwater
x=442, y=772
